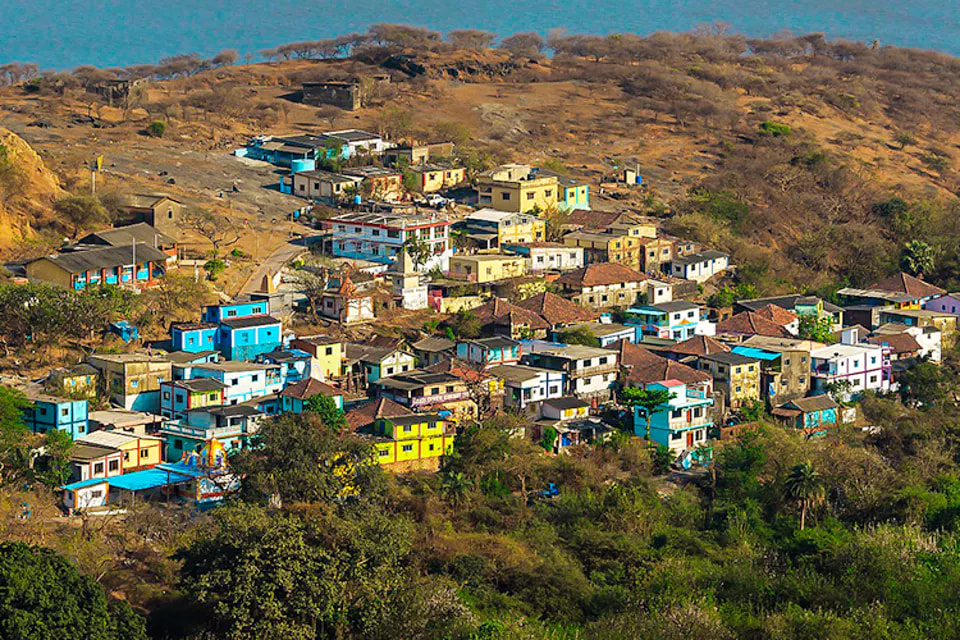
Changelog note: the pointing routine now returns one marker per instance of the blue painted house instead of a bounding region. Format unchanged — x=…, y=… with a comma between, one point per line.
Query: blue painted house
x=490, y=352
x=48, y=413
x=294, y=364
x=194, y=337
x=677, y=320
x=814, y=415
x=294, y=397
x=682, y=423
x=245, y=329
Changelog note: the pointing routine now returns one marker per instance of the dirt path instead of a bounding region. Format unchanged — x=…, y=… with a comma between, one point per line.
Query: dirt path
x=282, y=255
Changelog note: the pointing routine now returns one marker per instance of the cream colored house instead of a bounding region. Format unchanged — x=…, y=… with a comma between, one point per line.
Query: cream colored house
x=482, y=268
x=515, y=187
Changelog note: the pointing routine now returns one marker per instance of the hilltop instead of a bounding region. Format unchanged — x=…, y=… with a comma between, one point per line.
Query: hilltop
x=783, y=151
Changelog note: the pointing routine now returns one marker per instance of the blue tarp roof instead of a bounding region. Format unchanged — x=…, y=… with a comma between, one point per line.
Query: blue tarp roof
x=148, y=479
x=84, y=483
x=759, y=354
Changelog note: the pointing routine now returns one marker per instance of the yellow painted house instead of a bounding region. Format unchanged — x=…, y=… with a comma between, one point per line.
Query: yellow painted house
x=489, y=228
x=428, y=178
x=488, y=267
x=516, y=187
x=735, y=375
x=412, y=442
x=78, y=381
x=139, y=452
x=326, y=355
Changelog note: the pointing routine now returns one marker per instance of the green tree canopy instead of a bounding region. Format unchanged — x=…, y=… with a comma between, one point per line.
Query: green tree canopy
x=43, y=596
x=327, y=410
x=647, y=399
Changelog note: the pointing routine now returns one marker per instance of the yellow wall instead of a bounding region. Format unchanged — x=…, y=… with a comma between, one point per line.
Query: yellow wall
x=200, y=399
x=521, y=195
x=533, y=231
x=486, y=270
x=149, y=454
x=577, y=412
x=46, y=271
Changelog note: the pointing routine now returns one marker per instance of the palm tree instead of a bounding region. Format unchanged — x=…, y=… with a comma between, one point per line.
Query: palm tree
x=916, y=258
x=648, y=400
x=805, y=486
x=455, y=487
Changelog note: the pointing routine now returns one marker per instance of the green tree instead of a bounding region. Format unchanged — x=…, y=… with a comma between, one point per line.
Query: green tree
x=297, y=458
x=43, y=596
x=916, y=258
x=579, y=335
x=260, y=575
x=418, y=250
x=13, y=431
x=805, y=486
x=156, y=129
x=647, y=399
x=925, y=385
x=53, y=467
x=81, y=211
x=456, y=487
x=464, y=324
x=327, y=410
x=813, y=327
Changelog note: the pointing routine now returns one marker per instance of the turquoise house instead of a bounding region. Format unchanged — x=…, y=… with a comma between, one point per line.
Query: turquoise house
x=245, y=329
x=232, y=426
x=682, y=423
x=814, y=415
x=571, y=194
x=48, y=413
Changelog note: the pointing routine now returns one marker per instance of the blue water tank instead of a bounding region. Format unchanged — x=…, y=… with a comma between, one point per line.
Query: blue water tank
x=305, y=164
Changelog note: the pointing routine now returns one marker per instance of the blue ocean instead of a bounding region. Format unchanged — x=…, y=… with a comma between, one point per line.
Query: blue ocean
x=61, y=34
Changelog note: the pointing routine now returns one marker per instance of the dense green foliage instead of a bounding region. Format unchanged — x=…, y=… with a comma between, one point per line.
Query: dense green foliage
x=43, y=596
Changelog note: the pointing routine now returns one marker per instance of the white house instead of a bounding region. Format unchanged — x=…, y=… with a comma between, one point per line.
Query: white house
x=658, y=291
x=547, y=256
x=379, y=237
x=930, y=339
x=244, y=380
x=359, y=141
x=700, y=266
x=590, y=372
x=864, y=366
x=525, y=387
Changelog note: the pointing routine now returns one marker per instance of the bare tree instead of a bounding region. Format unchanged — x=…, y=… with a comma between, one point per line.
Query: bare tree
x=216, y=229
x=476, y=39
x=529, y=43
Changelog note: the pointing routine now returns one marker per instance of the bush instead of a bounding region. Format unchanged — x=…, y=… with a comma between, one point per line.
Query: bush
x=157, y=128
x=775, y=129
x=214, y=268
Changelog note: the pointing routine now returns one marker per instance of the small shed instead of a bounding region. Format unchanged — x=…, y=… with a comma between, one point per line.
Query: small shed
x=86, y=494
x=125, y=330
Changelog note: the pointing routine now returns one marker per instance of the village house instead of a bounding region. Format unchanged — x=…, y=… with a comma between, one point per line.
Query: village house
x=929, y=339
x=294, y=397
x=948, y=303
x=517, y=187
x=179, y=396
x=358, y=142
x=75, y=381
x=789, y=376
x=899, y=291
x=345, y=302
x=433, y=177
x=245, y=329
x=417, y=154
x=326, y=355
x=499, y=317
x=700, y=267
x=750, y=323
x=489, y=352
x=88, y=462
x=327, y=186
x=380, y=237
x=681, y=424
x=735, y=376
x=135, y=452
x=591, y=373
x=163, y=213
x=698, y=345
x=243, y=381
x=603, y=285
x=547, y=256
x=571, y=193
x=859, y=367
x=194, y=337
x=132, y=380
x=141, y=233
x=48, y=412
x=362, y=417
x=294, y=364
x=614, y=245
x=137, y=266
x=813, y=416
x=428, y=391
x=432, y=349
x=945, y=322
x=656, y=254
x=490, y=228
x=903, y=346
x=798, y=305
x=230, y=426
x=605, y=333
x=373, y=363
x=298, y=153
x=641, y=366
x=486, y=267
x=377, y=183
x=558, y=312
x=415, y=442
x=524, y=388
x=780, y=316
x=678, y=320
x=570, y=420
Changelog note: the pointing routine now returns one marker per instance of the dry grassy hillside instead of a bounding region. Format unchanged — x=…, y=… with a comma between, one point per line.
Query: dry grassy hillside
x=778, y=150
x=28, y=191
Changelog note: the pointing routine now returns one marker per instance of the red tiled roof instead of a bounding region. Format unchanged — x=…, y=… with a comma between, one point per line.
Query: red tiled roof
x=909, y=285
x=591, y=219
x=499, y=311
x=599, y=274
x=749, y=323
x=309, y=388
x=643, y=366
x=460, y=369
x=699, y=346
x=557, y=310
x=777, y=315
x=365, y=414
x=900, y=342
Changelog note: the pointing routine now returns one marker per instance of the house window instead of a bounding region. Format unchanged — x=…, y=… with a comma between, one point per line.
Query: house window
x=98, y=467
x=431, y=447
x=407, y=448
x=231, y=313
x=434, y=391
x=389, y=371
x=134, y=383
x=179, y=397
x=603, y=360
x=738, y=389
x=407, y=428
x=65, y=412
x=384, y=453
x=213, y=396
x=114, y=465
x=254, y=378
x=530, y=196
x=675, y=436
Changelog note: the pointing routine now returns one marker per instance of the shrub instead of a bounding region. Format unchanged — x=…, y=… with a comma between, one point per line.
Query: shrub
x=775, y=129
x=157, y=128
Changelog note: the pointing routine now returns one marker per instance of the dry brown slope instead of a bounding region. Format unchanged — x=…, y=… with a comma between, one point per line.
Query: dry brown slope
x=27, y=203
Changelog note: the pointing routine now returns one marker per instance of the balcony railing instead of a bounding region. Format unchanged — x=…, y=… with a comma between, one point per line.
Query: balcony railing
x=600, y=368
